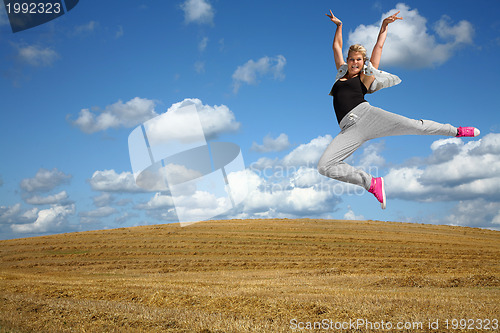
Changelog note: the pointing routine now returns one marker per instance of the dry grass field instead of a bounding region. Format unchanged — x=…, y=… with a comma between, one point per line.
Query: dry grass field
x=254, y=276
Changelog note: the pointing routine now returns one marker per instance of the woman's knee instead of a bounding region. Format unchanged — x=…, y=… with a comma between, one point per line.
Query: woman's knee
x=322, y=167
x=328, y=168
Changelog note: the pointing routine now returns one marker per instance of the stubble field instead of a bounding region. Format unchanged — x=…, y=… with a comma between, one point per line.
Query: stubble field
x=254, y=276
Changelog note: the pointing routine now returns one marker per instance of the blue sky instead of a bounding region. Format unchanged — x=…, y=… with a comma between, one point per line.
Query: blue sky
x=74, y=88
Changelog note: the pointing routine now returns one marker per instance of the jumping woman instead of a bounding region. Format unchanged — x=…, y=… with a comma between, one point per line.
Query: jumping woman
x=359, y=121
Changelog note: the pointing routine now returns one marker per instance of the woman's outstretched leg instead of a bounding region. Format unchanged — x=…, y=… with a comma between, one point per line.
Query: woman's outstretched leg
x=379, y=123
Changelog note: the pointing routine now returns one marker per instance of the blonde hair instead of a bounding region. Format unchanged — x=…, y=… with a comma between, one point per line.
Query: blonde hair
x=358, y=48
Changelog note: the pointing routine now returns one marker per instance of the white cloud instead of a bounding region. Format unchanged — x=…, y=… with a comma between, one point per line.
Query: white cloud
x=215, y=120
x=198, y=11
x=304, y=177
x=409, y=42
x=125, y=217
x=200, y=204
x=84, y=28
x=351, y=216
x=104, y=199
x=308, y=154
x=45, y=180
x=477, y=213
x=158, y=201
x=471, y=171
x=119, y=114
x=15, y=214
x=51, y=219
x=280, y=198
x=110, y=181
x=47, y=200
x=178, y=174
x=269, y=144
x=9, y=214
x=250, y=72
x=37, y=56
x=203, y=44
x=264, y=163
x=371, y=158
x=199, y=67
x=99, y=212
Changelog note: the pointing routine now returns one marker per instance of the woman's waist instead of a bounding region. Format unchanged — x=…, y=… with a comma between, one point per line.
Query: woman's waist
x=355, y=114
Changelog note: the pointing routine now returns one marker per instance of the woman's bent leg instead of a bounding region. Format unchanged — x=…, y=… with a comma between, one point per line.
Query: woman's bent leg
x=331, y=162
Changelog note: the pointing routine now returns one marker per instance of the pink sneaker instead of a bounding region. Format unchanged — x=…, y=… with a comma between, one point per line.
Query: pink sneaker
x=467, y=132
x=377, y=188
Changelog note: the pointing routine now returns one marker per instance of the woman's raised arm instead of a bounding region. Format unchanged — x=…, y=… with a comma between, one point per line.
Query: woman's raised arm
x=377, y=49
x=337, y=41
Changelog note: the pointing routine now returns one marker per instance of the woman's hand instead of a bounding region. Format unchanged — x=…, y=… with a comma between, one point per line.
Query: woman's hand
x=390, y=19
x=334, y=19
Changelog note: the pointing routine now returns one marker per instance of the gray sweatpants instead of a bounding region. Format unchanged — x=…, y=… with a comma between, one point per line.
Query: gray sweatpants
x=363, y=123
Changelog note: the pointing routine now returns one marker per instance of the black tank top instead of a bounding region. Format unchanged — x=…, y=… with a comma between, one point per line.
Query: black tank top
x=347, y=95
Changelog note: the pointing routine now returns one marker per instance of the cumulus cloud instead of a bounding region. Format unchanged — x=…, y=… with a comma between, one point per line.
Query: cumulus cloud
x=410, y=43
x=174, y=124
x=52, y=219
x=371, y=157
x=45, y=180
x=37, y=56
x=478, y=213
x=309, y=153
x=198, y=11
x=9, y=213
x=351, y=216
x=119, y=114
x=280, y=198
x=251, y=71
x=270, y=144
x=215, y=120
x=110, y=181
x=470, y=172
x=158, y=201
x=47, y=200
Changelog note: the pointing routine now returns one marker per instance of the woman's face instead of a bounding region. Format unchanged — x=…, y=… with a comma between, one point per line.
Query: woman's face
x=355, y=63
